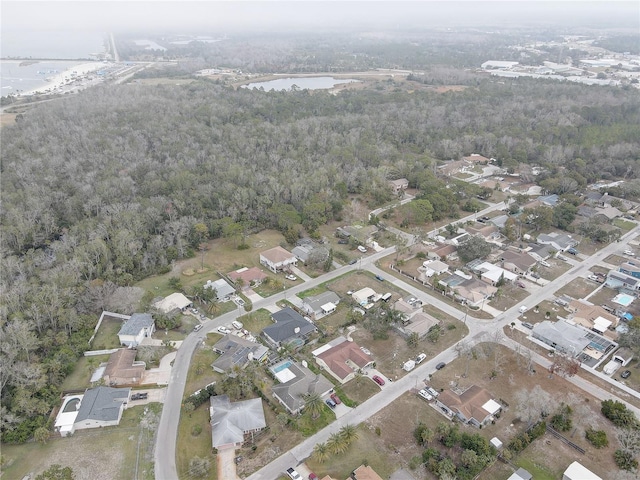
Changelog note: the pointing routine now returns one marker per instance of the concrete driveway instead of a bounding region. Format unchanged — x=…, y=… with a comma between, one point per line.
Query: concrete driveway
x=227, y=465
x=160, y=375
x=153, y=395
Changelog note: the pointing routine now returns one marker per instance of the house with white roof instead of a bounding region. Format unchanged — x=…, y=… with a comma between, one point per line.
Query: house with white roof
x=577, y=471
x=322, y=304
x=175, y=301
x=364, y=296
x=492, y=274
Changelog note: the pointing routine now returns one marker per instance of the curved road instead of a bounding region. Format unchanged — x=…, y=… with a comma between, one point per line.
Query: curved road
x=479, y=330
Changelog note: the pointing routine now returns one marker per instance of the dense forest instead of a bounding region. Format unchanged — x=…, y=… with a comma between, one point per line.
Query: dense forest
x=109, y=186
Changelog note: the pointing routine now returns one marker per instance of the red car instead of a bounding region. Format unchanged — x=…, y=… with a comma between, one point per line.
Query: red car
x=335, y=398
x=313, y=476
x=378, y=380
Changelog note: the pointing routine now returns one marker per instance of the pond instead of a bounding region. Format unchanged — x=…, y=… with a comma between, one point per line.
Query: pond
x=303, y=83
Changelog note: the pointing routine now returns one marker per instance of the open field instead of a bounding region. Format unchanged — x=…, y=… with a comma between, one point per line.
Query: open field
x=111, y=453
x=577, y=288
x=198, y=445
x=200, y=372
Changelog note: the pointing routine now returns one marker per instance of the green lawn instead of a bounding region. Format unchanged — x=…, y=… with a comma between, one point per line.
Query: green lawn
x=538, y=472
x=200, y=372
x=623, y=225
x=107, y=336
x=256, y=321
x=80, y=378
x=360, y=389
x=189, y=445
x=363, y=450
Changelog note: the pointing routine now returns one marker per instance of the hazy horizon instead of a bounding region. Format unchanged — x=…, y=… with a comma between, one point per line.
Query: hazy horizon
x=282, y=16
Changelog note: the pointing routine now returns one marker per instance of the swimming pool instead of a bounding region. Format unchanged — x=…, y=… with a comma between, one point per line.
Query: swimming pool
x=623, y=299
x=281, y=366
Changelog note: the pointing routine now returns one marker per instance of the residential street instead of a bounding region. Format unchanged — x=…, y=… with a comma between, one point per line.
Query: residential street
x=479, y=330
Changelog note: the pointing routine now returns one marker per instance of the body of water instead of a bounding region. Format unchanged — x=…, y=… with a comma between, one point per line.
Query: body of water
x=303, y=83
x=68, y=48
x=23, y=75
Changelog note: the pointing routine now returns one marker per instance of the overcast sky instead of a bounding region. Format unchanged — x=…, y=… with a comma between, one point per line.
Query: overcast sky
x=159, y=15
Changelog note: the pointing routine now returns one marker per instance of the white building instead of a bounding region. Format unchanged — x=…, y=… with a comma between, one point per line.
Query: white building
x=577, y=471
x=134, y=330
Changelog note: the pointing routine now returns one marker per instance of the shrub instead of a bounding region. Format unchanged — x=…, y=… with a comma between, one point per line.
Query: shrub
x=618, y=413
x=196, y=430
x=625, y=460
x=597, y=438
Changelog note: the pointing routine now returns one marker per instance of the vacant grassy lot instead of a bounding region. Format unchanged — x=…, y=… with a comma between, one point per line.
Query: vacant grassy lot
x=360, y=389
x=123, y=452
x=577, y=288
x=624, y=225
x=256, y=321
x=200, y=372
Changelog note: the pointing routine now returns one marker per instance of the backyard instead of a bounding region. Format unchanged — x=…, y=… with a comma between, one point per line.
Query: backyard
x=123, y=452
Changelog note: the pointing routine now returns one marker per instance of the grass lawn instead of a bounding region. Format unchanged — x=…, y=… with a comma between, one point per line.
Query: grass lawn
x=256, y=321
x=200, y=372
x=623, y=225
x=189, y=445
x=107, y=336
x=80, y=378
x=578, y=288
x=365, y=449
x=107, y=453
x=360, y=389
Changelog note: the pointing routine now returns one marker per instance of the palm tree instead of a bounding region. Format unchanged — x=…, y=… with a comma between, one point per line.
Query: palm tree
x=313, y=403
x=337, y=444
x=349, y=433
x=321, y=452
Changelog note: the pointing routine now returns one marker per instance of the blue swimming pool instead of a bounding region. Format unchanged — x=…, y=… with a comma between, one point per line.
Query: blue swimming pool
x=281, y=366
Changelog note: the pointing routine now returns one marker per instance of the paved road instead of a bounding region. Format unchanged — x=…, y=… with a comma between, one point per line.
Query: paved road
x=479, y=330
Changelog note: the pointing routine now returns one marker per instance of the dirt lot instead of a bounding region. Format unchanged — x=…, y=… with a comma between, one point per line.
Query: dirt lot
x=577, y=288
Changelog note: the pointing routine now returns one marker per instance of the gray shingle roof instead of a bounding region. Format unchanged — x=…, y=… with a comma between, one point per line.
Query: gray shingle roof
x=229, y=420
x=136, y=323
x=102, y=404
x=287, y=320
x=317, y=301
x=292, y=392
x=235, y=352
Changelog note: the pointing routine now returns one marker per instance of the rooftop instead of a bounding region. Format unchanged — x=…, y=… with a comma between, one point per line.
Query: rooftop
x=136, y=323
x=102, y=403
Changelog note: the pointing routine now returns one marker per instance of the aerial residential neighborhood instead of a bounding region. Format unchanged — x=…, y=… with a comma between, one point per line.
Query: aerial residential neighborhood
x=320, y=240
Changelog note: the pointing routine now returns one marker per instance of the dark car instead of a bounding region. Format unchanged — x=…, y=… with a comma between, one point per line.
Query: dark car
x=440, y=366
x=342, y=241
x=572, y=251
x=378, y=380
x=527, y=325
x=330, y=402
x=626, y=374
x=379, y=278
x=139, y=396
x=335, y=398
x=352, y=262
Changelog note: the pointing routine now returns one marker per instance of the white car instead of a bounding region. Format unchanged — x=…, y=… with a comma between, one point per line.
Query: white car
x=362, y=249
x=629, y=252
x=293, y=475
x=239, y=301
x=432, y=391
x=424, y=394
x=223, y=330
x=237, y=325
x=421, y=358
x=293, y=278
x=544, y=264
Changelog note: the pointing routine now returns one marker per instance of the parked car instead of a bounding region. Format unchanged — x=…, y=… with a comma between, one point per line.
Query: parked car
x=223, y=330
x=313, y=476
x=293, y=278
x=424, y=394
x=527, y=325
x=440, y=366
x=379, y=278
x=378, y=380
x=237, y=325
x=197, y=327
x=521, y=285
x=593, y=277
x=239, y=302
x=335, y=398
x=362, y=249
x=293, y=475
x=572, y=251
x=420, y=358
x=343, y=241
x=330, y=402
x=432, y=391
x=626, y=374
x=238, y=458
x=544, y=264
x=535, y=275
x=629, y=252
x=353, y=261
x=139, y=396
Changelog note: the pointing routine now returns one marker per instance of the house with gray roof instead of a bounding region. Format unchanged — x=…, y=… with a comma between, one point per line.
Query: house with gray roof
x=101, y=407
x=321, y=305
x=571, y=339
x=620, y=280
x=559, y=241
x=539, y=252
x=236, y=352
x=301, y=381
x=499, y=221
x=289, y=327
x=223, y=290
x=313, y=252
x=232, y=424
x=517, y=262
x=138, y=327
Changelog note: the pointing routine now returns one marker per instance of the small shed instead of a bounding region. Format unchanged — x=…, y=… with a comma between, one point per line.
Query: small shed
x=409, y=365
x=496, y=442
